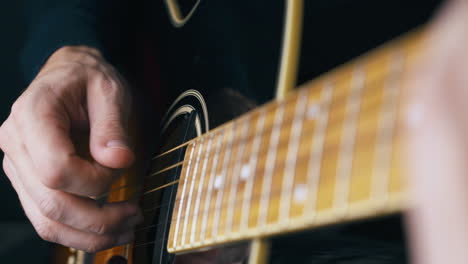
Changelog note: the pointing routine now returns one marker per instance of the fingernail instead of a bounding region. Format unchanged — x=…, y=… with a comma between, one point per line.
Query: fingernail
x=117, y=144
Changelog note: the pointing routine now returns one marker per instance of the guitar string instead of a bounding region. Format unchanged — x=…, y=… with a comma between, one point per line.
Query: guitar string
x=212, y=207
x=210, y=210
x=185, y=144
x=257, y=196
x=250, y=114
x=267, y=129
x=341, y=75
x=301, y=157
x=281, y=146
x=204, y=211
x=196, y=214
x=366, y=62
x=224, y=203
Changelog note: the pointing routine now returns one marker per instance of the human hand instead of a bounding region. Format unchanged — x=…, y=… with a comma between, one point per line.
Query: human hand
x=437, y=142
x=76, y=90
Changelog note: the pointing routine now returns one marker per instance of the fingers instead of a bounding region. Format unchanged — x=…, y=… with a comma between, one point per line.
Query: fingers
x=108, y=107
x=78, y=212
x=74, y=91
x=57, y=232
x=42, y=128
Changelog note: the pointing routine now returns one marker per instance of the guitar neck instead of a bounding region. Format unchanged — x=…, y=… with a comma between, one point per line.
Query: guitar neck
x=325, y=154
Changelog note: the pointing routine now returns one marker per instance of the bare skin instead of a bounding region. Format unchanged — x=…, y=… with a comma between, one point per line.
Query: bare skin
x=437, y=142
x=76, y=89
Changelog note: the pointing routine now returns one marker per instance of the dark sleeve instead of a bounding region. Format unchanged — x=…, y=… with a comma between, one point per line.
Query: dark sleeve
x=102, y=24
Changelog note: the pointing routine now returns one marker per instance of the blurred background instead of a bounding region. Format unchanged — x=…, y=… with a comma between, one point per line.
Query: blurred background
x=16, y=232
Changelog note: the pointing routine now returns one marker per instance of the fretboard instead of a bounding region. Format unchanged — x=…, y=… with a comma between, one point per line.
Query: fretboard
x=327, y=153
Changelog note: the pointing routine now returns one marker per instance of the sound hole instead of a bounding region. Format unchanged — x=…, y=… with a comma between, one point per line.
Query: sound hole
x=117, y=260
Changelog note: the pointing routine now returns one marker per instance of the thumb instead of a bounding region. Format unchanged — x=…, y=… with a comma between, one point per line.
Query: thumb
x=108, y=110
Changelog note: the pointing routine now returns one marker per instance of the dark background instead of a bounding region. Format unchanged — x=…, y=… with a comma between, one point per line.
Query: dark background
x=18, y=241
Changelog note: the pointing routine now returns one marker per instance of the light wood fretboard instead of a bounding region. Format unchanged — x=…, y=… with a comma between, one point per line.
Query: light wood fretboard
x=326, y=154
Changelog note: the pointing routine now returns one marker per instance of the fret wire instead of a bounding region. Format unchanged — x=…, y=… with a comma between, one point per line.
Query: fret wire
x=274, y=191
x=301, y=157
x=348, y=139
x=315, y=161
x=183, y=145
x=236, y=170
x=223, y=176
x=281, y=144
x=293, y=148
x=257, y=197
x=304, y=156
x=270, y=165
x=189, y=200
x=202, y=182
x=339, y=76
x=176, y=230
x=157, y=225
x=385, y=132
x=210, y=185
x=253, y=165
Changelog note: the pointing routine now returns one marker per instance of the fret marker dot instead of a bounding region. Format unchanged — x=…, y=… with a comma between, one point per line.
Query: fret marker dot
x=313, y=111
x=218, y=182
x=245, y=172
x=300, y=193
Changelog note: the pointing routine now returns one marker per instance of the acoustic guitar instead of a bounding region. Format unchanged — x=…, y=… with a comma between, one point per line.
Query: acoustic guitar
x=321, y=154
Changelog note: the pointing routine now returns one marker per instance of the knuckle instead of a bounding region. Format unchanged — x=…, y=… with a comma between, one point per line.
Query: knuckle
x=50, y=208
x=3, y=136
x=16, y=107
x=53, y=178
x=6, y=168
x=110, y=87
x=45, y=231
x=16, y=113
x=53, y=173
